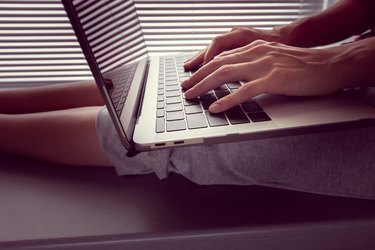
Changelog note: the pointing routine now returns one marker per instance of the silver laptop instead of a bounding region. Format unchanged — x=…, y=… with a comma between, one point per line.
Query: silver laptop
x=147, y=105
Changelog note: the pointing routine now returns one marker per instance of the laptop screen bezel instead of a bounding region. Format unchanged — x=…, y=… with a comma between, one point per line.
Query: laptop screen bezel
x=96, y=72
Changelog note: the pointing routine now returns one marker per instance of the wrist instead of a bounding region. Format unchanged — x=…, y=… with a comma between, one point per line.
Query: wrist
x=289, y=34
x=354, y=62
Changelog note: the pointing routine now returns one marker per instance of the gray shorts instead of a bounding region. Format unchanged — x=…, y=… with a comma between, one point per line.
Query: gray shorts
x=335, y=163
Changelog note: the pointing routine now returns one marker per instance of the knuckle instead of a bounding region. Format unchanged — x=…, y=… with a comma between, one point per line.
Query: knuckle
x=246, y=54
x=261, y=48
x=258, y=42
x=225, y=69
x=241, y=29
x=216, y=63
x=217, y=40
x=268, y=59
x=273, y=44
x=245, y=31
x=246, y=88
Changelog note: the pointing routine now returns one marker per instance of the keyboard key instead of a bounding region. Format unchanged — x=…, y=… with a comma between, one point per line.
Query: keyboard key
x=206, y=105
x=188, y=102
x=172, y=93
x=222, y=87
x=235, y=109
x=117, y=93
x=251, y=106
x=160, y=125
x=160, y=98
x=221, y=93
x=208, y=98
x=172, y=87
x=174, y=107
x=120, y=106
x=116, y=100
x=196, y=121
x=176, y=125
x=183, y=79
x=160, y=113
x=171, y=82
x=216, y=119
x=259, y=117
x=160, y=105
x=193, y=109
x=174, y=99
x=234, y=85
x=184, y=74
x=237, y=118
x=175, y=115
x=171, y=76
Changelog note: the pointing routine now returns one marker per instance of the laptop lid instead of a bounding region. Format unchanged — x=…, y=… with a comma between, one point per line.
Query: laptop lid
x=110, y=37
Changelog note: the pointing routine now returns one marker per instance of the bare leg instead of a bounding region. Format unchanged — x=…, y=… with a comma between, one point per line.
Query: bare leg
x=47, y=98
x=64, y=136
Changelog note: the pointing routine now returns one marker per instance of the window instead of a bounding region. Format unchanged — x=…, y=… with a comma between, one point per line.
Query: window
x=38, y=45
x=170, y=26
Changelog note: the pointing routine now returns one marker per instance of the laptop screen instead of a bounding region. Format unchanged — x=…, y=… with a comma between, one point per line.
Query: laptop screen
x=112, y=30
x=111, y=38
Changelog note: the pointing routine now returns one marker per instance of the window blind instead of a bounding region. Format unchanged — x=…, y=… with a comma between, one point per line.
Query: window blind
x=172, y=26
x=38, y=45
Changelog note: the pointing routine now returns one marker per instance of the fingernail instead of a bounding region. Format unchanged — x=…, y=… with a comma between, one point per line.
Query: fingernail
x=188, y=94
x=183, y=84
x=186, y=66
x=215, y=108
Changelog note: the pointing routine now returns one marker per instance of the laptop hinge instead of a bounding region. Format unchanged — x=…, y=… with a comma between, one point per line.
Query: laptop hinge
x=132, y=151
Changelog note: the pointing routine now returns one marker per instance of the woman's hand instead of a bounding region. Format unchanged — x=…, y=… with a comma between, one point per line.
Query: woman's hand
x=236, y=38
x=268, y=67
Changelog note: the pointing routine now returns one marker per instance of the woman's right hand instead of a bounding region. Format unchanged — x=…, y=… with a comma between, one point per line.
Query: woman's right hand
x=236, y=38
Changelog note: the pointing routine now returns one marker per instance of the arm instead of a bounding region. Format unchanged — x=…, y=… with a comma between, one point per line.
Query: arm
x=345, y=18
x=276, y=68
x=340, y=21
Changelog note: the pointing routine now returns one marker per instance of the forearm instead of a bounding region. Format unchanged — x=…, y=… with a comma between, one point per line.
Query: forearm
x=340, y=21
x=355, y=61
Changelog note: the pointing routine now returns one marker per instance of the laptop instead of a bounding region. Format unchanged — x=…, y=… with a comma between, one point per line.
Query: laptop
x=147, y=105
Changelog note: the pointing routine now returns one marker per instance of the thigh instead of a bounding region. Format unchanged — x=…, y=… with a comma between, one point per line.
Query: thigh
x=65, y=136
x=48, y=98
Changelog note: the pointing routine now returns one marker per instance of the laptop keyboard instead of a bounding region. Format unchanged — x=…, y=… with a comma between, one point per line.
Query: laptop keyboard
x=175, y=113
x=119, y=85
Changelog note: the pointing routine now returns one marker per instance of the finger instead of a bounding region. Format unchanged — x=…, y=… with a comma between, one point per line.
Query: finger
x=244, y=48
x=244, y=93
x=195, y=61
x=218, y=45
x=207, y=54
x=230, y=40
x=225, y=74
x=210, y=68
